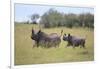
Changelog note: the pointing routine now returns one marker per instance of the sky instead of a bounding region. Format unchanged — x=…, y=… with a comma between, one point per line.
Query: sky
x=24, y=11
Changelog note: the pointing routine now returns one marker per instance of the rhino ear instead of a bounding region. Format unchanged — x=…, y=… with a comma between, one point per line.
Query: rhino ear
x=32, y=30
x=69, y=34
x=64, y=34
x=39, y=31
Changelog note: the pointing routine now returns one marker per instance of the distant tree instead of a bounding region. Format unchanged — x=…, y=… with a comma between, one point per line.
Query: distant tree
x=27, y=22
x=89, y=20
x=86, y=20
x=82, y=20
x=45, y=21
x=34, y=18
x=71, y=20
x=51, y=18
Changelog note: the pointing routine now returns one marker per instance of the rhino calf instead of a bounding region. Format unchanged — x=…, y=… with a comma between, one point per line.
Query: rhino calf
x=74, y=41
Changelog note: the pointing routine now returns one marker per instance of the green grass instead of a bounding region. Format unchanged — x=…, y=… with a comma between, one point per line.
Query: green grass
x=25, y=54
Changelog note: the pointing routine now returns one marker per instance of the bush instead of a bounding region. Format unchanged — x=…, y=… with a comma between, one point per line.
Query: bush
x=53, y=18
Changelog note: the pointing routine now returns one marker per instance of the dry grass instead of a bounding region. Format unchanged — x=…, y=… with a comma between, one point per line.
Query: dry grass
x=25, y=54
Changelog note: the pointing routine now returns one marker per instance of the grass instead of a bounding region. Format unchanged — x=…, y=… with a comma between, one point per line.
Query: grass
x=25, y=54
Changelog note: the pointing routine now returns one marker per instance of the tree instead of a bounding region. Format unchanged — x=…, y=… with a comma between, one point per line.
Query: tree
x=51, y=18
x=89, y=20
x=86, y=20
x=81, y=20
x=34, y=18
x=71, y=20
